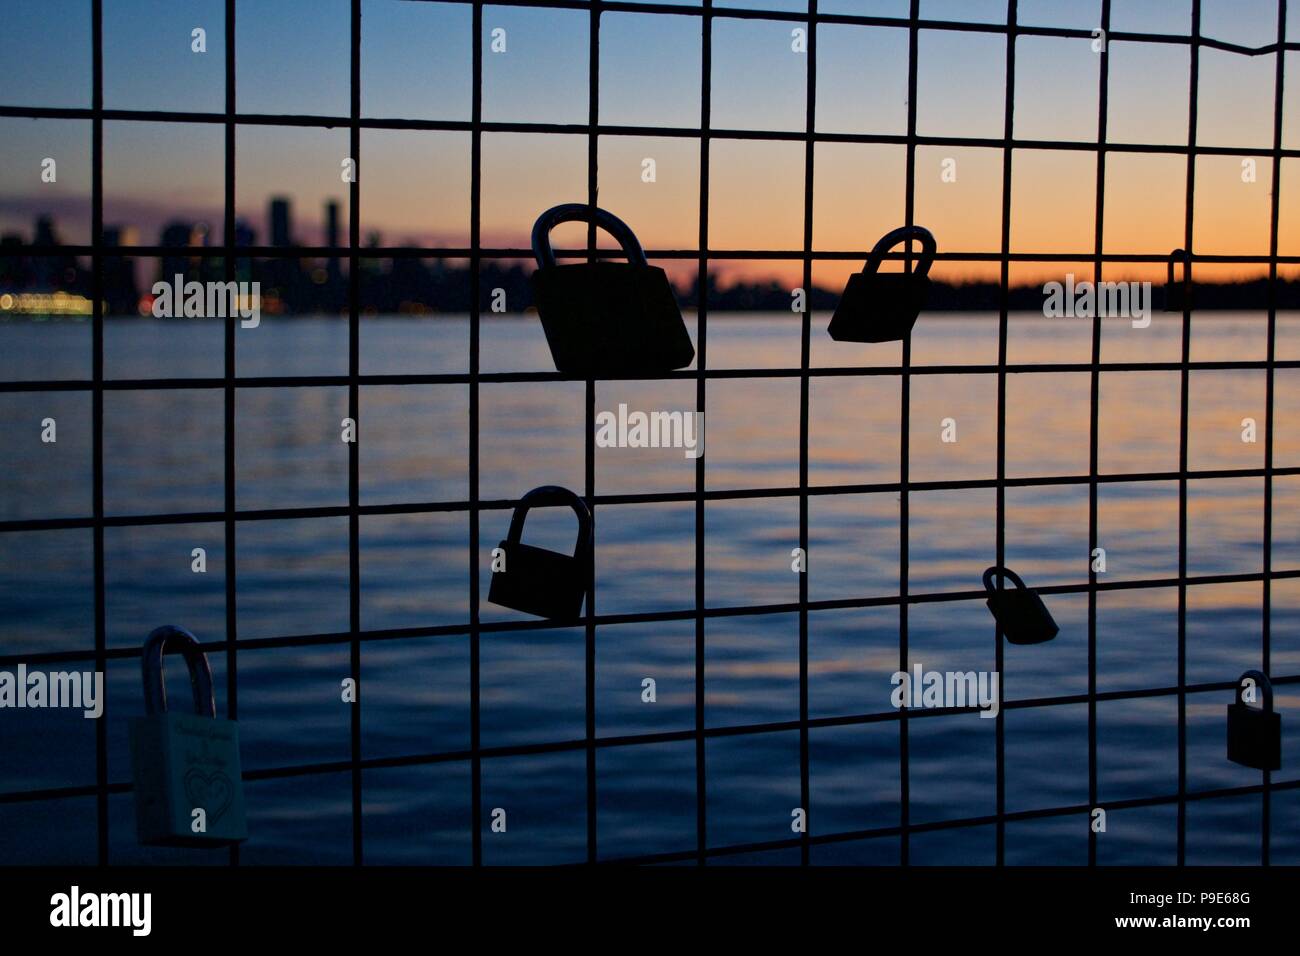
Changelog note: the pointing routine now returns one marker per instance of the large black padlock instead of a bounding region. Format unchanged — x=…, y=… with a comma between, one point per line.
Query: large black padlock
x=882, y=306
x=1021, y=612
x=188, y=784
x=1178, y=295
x=606, y=318
x=1255, y=734
x=538, y=581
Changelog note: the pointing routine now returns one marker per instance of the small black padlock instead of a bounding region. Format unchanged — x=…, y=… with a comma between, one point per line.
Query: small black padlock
x=1021, y=612
x=1255, y=734
x=882, y=306
x=606, y=318
x=1178, y=295
x=538, y=581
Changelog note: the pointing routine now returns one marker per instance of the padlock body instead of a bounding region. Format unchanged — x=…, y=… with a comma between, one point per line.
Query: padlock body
x=611, y=318
x=180, y=762
x=878, y=307
x=538, y=581
x=1254, y=737
x=1023, y=616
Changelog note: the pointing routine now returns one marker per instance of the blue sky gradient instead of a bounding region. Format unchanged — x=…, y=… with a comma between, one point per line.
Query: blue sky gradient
x=292, y=57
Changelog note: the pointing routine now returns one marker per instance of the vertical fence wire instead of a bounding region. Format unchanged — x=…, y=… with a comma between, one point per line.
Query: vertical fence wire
x=97, y=406
x=228, y=389
x=805, y=346
x=904, y=454
x=701, y=394
x=354, y=415
x=1183, y=408
x=1094, y=398
x=1004, y=290
x=1266, y=619
x=475, y=350
x=589, y=434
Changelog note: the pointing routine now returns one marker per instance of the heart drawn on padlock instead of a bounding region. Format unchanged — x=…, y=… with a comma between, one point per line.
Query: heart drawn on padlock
x=213, y=792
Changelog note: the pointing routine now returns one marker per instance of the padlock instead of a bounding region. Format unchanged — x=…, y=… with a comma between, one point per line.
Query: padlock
x=882, y=306
x=181, y=763
x=606, y=318
x=1021, y=612
x=538, y=581
x=1178, y=295
x=1255, y=734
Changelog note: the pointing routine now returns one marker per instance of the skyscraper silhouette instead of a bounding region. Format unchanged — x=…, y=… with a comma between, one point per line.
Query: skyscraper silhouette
x=175, y=234
x=280, y=230
x=332, y=237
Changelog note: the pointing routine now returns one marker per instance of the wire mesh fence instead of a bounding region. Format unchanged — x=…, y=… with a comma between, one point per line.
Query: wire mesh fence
x=480, y=511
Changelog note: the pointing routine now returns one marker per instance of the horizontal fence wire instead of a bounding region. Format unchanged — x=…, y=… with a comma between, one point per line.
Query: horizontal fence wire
x=472, y=628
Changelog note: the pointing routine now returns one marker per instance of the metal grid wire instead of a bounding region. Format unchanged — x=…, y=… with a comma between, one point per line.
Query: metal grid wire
x=474, y=628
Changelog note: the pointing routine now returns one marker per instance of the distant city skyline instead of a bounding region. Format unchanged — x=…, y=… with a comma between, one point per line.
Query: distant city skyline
x=299, y=285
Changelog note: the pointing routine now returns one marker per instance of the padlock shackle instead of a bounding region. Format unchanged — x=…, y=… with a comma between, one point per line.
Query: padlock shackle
x=581, y=212
x=1263, y=683
x=991, y=573
x=902, y=234
x=552, y=495
x=169, y=637
x=1179, y=255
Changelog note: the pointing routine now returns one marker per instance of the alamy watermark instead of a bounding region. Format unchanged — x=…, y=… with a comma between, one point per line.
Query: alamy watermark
x=75, y=908
x=1107, y=300
x=74, y=689
x=935, y=689
x=624, y=429
x=208, y=300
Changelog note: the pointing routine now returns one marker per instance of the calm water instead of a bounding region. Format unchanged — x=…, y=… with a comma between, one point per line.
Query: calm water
x=163, y=453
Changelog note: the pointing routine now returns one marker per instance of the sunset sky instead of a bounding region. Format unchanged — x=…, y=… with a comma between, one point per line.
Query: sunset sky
x=292, y=57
